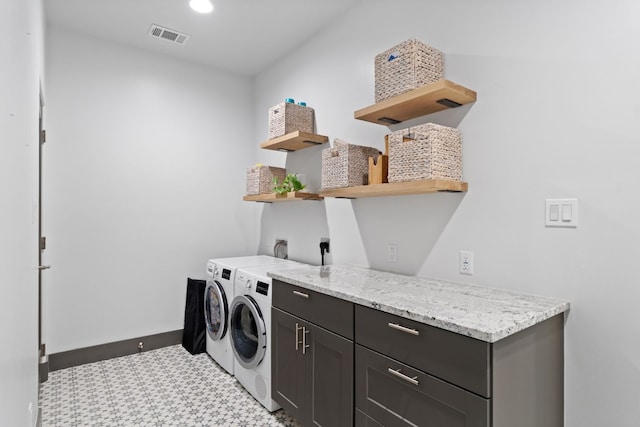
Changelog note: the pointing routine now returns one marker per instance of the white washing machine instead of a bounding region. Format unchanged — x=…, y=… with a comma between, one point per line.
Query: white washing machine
x=250, y=330
x=218, y=297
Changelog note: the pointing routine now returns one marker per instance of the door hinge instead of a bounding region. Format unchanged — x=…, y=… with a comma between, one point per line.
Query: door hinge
x=43, y=136
x=43, y=243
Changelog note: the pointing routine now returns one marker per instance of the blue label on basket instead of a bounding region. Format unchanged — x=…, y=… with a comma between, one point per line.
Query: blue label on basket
x=393, y=56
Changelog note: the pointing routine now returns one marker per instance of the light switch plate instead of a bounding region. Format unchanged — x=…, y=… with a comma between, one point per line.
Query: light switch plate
x=561, y=213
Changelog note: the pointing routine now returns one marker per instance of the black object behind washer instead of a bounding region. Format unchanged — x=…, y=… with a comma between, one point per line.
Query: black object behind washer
x=194, y=333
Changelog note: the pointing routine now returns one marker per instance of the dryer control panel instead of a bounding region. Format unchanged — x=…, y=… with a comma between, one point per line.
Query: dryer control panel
x=262, y=288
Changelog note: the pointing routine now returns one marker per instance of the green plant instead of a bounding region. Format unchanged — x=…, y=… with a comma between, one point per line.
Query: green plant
x=290, y=183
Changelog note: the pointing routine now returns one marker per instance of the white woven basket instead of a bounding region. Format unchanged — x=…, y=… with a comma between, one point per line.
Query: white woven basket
x=260, y=179
x=407, y=66
x=346, y=165
x=427, y=151
x=287, y=117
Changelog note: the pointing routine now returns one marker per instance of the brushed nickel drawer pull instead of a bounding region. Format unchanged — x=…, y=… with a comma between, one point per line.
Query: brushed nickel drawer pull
x=298, y=328
x=400, y=375
x=300, y=294
x=404, y=329
x=305, y=346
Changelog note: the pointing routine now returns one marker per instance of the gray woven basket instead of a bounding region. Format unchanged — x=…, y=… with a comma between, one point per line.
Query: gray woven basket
x=260, y=179
x=287, y=117
x=346, y=165
x=407, y=66
x=427, y=151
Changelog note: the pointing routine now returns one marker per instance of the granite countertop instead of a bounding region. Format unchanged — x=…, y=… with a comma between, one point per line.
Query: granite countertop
x=483, y=313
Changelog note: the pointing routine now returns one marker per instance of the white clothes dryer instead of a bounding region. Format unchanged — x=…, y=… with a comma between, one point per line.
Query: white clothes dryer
x=218, y=297
x=250, y=330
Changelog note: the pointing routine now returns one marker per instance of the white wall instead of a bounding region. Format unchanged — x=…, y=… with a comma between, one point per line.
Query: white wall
x=557, y=116
x=21, y=52
x=146, y=167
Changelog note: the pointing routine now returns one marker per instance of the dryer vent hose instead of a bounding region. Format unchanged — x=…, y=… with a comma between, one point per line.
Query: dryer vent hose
x=280, y=249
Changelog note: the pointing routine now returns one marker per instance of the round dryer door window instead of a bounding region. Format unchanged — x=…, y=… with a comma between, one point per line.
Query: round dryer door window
x=248, y=331
x=215, y=310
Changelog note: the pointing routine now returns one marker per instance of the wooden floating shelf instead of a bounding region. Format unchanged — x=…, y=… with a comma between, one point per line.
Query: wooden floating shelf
x=397, y=189
x=294, y=141
x=425, y=100
x=287, y=197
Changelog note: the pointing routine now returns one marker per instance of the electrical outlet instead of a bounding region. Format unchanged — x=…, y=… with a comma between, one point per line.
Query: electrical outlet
x=392, y=252
x=466, y=262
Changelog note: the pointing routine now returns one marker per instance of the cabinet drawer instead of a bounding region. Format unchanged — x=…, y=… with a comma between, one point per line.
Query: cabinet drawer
x=331, y=313
x=458, y=359
x=390, y=393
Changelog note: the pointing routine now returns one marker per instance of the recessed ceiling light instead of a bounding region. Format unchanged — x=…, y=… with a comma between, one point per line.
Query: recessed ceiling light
x=201, y=6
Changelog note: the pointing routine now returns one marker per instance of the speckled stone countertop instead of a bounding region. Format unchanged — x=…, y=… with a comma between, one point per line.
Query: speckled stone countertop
x=483, y=313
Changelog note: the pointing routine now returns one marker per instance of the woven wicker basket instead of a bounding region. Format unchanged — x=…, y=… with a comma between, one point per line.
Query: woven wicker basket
x=427, y=151
x=287, y=117
x=407, y=66
x=346, y=165
x=260, y=179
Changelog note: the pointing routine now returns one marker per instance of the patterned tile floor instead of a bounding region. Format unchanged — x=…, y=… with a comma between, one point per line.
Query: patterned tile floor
x=165, y=387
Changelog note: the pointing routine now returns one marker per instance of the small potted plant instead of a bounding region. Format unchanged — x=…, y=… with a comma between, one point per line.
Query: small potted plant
x=289, y=184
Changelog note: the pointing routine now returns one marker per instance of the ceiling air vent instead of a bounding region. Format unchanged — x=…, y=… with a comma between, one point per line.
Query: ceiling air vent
x=167, y=34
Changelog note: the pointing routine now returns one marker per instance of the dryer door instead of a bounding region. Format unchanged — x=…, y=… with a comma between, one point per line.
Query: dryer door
x=216, y=310
x=248, y=331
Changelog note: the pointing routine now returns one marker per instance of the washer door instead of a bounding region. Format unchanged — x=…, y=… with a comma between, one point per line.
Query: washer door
x=248, y=331
x=216, y=310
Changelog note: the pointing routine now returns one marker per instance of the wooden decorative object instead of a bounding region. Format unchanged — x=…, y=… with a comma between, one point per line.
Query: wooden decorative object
x=379, y=168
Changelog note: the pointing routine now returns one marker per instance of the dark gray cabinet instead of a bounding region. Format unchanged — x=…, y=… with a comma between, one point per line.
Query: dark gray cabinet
x=408, y=373
x=335, y=363
x=312, y=365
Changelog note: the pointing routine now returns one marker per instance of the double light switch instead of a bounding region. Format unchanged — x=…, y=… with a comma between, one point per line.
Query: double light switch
x=561, y=213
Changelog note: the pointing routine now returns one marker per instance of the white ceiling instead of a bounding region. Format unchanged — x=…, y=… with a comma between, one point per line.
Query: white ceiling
x=243, y=36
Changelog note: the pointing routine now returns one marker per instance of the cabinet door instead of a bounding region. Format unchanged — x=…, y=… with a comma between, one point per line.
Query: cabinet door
x=394, y=394
x=287, y=363
x=329, y=362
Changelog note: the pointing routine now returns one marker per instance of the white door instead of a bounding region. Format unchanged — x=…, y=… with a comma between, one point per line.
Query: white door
x=42, y=247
